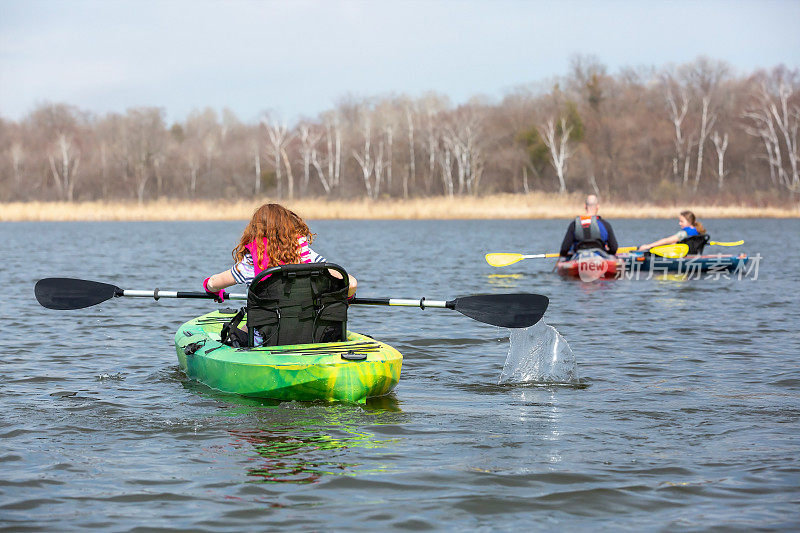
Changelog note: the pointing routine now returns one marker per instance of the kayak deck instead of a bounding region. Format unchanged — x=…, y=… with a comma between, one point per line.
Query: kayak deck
x=351, y=371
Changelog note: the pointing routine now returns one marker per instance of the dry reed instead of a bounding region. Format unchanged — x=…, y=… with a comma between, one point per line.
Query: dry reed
x=505, y=206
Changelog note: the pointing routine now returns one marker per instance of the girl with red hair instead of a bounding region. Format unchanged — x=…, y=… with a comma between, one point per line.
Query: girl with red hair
x=274, y=236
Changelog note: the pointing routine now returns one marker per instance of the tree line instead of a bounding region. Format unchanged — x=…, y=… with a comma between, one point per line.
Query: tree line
x=696, y=131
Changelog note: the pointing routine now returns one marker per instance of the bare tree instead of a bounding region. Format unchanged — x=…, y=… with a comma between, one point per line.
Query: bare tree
x=556, y=138
x=365, y=160
x=721, y=145
x=64, y=161
x=308, y=146
x=776, y=122
x=677, y=113
x=388, y=131
x=706, y=123
x=144, y=142
x=787, y=118
x=447, y=170
x=255, y=148
x=17, y=155
x=705, y=76
x=411, y=175
x=333, y=154
x=278, y=137
x=333, y=141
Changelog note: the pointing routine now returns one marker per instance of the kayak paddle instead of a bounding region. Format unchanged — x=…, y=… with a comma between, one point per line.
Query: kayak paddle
x=670, y=251
x=519, y=310
x=502, y=259
x=69, y=293
x=516, y=310
x=675, y=251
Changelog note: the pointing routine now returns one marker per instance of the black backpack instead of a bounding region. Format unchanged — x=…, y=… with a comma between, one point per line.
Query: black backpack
x=293, y=304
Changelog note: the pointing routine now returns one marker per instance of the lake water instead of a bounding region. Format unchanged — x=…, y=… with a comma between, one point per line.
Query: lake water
x=685, y=415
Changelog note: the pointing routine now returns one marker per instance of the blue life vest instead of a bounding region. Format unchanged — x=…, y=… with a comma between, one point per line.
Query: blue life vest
x=691, y=231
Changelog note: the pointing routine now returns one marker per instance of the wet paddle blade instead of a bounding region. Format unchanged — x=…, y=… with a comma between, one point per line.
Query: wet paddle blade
x=69, y=293
x=503, y=259
x=671, y=251
x=520, y=310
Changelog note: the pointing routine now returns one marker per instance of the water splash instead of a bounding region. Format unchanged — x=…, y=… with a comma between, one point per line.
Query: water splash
x=539, y=354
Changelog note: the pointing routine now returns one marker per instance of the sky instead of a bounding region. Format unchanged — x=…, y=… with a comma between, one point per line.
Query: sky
x=298, y=58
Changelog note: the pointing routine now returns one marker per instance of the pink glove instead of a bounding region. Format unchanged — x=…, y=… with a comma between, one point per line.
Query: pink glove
x=218, y=296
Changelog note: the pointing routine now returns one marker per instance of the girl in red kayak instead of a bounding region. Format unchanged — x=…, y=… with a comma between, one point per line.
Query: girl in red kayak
x=274, y=236
x=691, y=233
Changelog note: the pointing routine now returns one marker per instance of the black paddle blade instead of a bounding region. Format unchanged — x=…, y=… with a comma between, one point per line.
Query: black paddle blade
x=519, y=310
x=69, y=293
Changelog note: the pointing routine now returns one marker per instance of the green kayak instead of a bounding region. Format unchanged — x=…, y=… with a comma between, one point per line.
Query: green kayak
x=350, y=371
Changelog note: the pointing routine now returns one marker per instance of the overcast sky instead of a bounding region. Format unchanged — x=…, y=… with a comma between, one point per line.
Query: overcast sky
x=299, y=57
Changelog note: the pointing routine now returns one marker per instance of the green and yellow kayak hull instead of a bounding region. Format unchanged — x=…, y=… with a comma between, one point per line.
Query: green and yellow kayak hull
x=349, y=371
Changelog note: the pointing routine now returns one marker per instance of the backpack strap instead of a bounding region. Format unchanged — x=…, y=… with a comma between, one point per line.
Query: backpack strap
x=231, y=334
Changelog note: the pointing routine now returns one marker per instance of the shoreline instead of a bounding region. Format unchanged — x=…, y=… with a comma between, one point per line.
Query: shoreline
x=505, y=206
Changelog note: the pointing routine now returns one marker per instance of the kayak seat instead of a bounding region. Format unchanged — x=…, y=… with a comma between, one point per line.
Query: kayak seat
x=696, y=243
x=293, y=304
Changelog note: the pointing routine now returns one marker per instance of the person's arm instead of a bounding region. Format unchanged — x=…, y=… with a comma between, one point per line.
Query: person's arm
x=353, y=286
x=666, y=240
x=314, y=257
x=569, y=240
x=220, y=281
x=611, y=242
x=353, y=281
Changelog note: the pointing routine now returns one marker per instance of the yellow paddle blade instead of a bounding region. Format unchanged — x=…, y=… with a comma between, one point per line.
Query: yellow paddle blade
x=626, y=249
x=671, y=251
x=735, y=243
x=503, y=259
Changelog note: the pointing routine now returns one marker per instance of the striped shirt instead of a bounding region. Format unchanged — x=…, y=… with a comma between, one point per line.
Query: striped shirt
x=243, y=271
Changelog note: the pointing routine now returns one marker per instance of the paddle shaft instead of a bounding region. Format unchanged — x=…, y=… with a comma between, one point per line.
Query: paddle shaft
x=156, y=294
x=422, y=303
x=399, y=302
x=539, y=256
x=516, y=310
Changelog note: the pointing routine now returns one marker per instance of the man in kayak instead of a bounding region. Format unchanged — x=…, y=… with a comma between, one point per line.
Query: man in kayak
x=692, y=233
x=589, y=232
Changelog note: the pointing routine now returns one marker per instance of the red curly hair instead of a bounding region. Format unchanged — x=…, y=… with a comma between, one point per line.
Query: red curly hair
x=281, y=228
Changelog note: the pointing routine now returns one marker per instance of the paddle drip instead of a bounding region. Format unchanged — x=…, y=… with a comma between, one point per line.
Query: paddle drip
x=539, y=354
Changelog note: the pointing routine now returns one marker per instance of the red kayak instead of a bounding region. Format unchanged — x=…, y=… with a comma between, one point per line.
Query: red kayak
x=589, y=267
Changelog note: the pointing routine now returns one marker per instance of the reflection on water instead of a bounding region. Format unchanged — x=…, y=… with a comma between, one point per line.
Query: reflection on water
x=301, y=442
x=311, y=442
x=667, y=276
x=294, y=458
x=505, y=281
